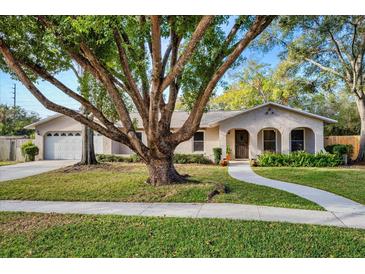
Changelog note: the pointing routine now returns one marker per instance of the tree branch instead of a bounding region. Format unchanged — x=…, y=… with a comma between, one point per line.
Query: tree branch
x=91, y=63
x=189, y=50
x=193, y=121
x=324, y=68
x=86, y=103
x=16, y=68
x=132, y=88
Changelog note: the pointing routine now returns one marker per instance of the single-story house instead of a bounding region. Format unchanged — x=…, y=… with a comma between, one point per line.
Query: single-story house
x=248, y=133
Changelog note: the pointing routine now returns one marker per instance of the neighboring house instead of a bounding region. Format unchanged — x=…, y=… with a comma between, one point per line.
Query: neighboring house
x=267, y=127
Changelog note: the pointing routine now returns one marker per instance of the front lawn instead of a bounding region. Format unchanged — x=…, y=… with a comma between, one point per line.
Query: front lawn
x=52, y=235
x=125, y=182
x=7, y=163
x=346, y=182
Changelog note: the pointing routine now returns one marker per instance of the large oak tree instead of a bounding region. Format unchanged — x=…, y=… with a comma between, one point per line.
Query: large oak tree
x=147, y=59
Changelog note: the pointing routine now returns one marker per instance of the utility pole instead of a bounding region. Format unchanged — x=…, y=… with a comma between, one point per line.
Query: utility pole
x=14, y=95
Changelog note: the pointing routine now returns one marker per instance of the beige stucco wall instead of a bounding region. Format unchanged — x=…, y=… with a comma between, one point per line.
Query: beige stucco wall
x=280, y=119
x=283, y=121
x=211, y=140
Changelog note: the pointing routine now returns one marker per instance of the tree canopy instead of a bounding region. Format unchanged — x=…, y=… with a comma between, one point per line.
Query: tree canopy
x=147, y=59
x=259, y=83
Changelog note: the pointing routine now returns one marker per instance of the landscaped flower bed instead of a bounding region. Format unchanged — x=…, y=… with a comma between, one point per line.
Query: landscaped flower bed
x=299, y=159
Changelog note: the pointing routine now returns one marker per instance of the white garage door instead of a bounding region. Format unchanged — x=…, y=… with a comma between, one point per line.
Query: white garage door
x=63, y=146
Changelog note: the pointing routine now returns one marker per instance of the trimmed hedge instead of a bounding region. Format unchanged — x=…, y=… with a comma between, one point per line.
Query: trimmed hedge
x=29, y=151
x=178, y=158
x=191, y=159
x=299, y=159
x=134, y=158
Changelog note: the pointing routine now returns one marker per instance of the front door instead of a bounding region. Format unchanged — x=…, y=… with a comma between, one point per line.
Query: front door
x=241, y=147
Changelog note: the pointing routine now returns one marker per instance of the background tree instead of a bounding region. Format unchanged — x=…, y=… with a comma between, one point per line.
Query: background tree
x=258, y=84
x=14, y=119
x=330, y=47
x=127, y=56
x=336, y=105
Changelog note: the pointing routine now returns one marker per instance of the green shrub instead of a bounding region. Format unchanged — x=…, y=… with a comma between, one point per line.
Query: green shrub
x=117, y=158
x=299, y=159
x=217, y=152
x=340, y=149
x=191, y=159
x=134, y=158
x=29, y=151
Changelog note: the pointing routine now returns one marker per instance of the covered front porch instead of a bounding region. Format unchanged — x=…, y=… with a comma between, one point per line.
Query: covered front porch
x=245, y=143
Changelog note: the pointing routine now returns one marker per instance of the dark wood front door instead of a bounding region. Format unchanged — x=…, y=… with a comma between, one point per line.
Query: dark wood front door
x=241, y=144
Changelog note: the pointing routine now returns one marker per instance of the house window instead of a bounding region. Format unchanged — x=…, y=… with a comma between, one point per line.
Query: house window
x=56, y=134
x=49, y=134
x=63, y=134
x=297, y=139
x=139, y=135
x=198, y=141
x=77, y=134
x=270, y=140
x=70, y=134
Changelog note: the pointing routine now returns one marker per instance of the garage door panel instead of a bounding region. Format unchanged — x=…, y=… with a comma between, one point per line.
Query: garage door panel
x=65, y=146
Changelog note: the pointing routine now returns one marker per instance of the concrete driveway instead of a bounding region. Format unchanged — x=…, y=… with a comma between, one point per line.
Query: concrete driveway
x=22, y=170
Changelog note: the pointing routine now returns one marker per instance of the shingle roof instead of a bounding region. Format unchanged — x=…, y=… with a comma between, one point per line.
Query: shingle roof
x=209, y=119
x=179, y=117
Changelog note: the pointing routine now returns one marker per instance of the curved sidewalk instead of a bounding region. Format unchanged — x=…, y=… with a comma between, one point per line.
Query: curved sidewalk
x=331, y=202
x=190, y=210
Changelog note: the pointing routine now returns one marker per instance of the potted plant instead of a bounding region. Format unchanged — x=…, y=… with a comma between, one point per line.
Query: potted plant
x=224, y=162
x=228, y=153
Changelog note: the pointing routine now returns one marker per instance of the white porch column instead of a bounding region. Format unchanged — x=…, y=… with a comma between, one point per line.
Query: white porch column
x=223, y=142
x=319, y=141
x=285, y=141
x=253, y=146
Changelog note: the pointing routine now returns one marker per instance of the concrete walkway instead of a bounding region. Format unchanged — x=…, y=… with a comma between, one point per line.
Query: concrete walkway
x=22, y=170
x=191, y=210
x=331, y=202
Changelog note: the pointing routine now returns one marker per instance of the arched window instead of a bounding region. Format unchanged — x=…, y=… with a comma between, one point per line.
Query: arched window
x=70, y=134
x=49, y=134
x=63, y=134
x=56, y=134
x=77, y=134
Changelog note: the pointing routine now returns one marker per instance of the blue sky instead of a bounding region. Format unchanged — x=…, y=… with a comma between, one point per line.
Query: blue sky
x=26, y=100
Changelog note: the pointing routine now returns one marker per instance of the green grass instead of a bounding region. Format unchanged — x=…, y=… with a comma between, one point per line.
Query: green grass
x=52, y=235
x=7, y=163
x=347, y=182
x=125, y=182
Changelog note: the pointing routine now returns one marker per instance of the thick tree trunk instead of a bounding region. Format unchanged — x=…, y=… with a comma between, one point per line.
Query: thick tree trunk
x=361, y=108
x=163, y=172
x=88, y=152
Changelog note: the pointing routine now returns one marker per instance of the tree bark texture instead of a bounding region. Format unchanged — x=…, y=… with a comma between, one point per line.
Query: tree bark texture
x=88, y=151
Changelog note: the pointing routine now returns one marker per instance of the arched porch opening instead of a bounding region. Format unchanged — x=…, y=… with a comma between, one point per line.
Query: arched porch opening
x=269, y=139
x=302, y=139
